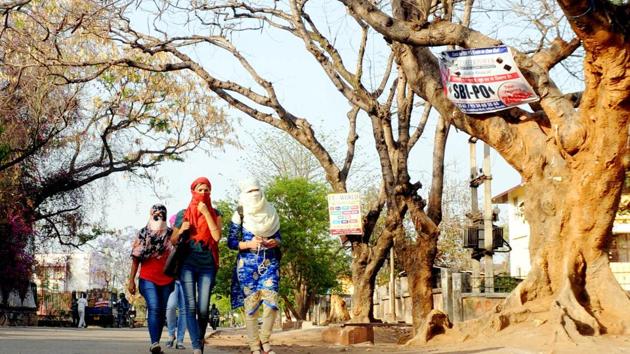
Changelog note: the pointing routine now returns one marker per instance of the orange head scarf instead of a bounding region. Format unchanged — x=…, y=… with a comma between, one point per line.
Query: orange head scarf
x=199, y=229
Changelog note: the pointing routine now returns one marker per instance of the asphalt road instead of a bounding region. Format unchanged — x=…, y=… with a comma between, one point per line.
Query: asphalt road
x=96, y=340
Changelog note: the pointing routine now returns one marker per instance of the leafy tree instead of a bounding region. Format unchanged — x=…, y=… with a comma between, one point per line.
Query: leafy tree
x=64, y=125
x=227, y=257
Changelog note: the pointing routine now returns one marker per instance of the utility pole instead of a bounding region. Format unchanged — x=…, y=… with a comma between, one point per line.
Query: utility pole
x=476, y=274
x=487, y=222
x=392, y=285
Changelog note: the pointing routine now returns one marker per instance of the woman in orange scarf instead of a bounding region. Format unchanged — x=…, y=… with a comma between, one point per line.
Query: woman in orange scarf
x=199, y=269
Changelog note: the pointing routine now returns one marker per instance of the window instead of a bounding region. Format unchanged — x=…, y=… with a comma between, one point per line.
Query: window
x=619, y=249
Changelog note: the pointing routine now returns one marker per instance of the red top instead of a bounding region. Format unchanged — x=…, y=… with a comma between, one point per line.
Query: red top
x=152, y=269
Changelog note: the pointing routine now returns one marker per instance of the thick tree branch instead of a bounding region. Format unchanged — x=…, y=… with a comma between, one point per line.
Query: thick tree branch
x=557, y=52
x=434, y=208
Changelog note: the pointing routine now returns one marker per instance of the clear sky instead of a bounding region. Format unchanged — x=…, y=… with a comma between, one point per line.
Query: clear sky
x=305, y=90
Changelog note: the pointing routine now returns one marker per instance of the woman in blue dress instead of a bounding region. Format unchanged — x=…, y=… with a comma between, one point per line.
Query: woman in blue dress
x=255, y=233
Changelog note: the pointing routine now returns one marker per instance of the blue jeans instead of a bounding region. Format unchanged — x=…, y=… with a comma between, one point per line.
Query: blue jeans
x=155, y=297
x=197, y=300
x=176, y=301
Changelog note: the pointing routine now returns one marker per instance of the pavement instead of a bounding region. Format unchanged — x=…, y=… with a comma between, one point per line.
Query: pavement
x=93, y=340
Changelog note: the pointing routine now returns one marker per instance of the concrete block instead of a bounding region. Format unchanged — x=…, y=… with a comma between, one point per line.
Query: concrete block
x=348, y=335
x=290, y=325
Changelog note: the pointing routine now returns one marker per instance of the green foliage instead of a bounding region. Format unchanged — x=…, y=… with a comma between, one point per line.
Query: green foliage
x=227, y=257
x=311, y=257
x=504, y=283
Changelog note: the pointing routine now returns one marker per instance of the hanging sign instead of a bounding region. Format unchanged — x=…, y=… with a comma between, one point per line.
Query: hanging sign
x=484, y=80
x=344, y=210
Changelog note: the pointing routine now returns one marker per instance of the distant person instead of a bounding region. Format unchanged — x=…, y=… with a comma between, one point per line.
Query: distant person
x=255, y=233
x=214, y=317
x=122, y=308
x=175, y=307
x=199, y=268
x=81, y=305
x=149, y=252
x=74, y=309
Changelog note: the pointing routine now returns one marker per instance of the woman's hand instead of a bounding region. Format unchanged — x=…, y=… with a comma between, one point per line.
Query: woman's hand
x=254, y=243
x=131, y=287
x=185, y=226
x=271, y=243
x=203, y=208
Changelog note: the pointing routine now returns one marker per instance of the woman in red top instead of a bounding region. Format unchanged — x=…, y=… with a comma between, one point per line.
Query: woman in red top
x=150, y=251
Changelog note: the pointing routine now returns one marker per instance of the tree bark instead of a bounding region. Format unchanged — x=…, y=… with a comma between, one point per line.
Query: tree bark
x=338, y=311
x=366, y=262
x=418, y=257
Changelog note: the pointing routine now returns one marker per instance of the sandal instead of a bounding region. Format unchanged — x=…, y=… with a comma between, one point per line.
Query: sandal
x=267, y=349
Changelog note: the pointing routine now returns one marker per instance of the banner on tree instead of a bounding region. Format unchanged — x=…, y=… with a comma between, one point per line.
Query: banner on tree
x=344, y=210
x=484, y=80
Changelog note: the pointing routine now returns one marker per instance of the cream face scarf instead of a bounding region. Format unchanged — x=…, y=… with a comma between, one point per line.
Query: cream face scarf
x=260, y=216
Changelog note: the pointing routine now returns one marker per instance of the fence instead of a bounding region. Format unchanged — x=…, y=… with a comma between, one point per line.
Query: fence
x=452, y=294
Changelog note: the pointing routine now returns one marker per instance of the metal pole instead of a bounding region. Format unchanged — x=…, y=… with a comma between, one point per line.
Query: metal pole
x=392, y=285
x=476, y=273
x=487, y=221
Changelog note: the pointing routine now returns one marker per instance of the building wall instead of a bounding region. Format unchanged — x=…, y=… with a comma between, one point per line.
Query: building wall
x=72, y=272
x=519, y=239
x=520, y=263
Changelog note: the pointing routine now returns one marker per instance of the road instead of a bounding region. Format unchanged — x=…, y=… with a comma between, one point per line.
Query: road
x=96, y=340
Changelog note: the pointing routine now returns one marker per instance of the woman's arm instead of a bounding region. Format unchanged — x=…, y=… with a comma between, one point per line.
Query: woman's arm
x=177, y=232
x=215, y=227
x=131, y=284
x=216, y=233
x=233, y=233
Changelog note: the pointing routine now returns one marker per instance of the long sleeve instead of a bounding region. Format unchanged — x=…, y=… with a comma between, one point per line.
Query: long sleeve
x=234, y=235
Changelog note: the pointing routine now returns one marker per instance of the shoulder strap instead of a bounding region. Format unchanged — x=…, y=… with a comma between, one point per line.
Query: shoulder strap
x=239, y=210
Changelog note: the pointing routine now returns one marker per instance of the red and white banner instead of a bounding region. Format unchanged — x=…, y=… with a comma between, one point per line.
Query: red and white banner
x=484, y=80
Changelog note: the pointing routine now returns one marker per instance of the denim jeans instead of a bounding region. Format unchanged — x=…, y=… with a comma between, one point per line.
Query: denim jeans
x=197, y=284
x=155, y=297
x=176, y=302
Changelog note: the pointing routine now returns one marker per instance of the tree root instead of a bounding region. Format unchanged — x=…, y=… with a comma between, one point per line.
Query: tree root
x=435, y=323
x=571, y=317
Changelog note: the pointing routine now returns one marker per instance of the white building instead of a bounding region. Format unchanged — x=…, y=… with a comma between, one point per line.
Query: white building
x=520, y=265
x=76, y=271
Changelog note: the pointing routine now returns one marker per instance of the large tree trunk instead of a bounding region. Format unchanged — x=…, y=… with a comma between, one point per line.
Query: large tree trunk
x=367, y=261
x=572, y=192
x=418, y=257
x=572, y=161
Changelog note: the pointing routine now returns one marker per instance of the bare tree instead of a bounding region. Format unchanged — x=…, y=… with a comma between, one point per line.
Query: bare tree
x=572, y=159
x=388, y=105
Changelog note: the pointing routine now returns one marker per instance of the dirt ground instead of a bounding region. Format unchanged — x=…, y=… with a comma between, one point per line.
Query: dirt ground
x=522, y=339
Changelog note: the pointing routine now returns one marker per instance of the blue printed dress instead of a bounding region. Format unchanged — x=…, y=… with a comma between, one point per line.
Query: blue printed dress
x=256, y=275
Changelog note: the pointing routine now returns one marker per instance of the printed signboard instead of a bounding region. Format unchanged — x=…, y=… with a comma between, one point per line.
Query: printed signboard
x=484, y=80
x=344, y=210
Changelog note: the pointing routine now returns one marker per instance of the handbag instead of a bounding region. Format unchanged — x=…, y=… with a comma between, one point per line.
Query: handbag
x=175, y=260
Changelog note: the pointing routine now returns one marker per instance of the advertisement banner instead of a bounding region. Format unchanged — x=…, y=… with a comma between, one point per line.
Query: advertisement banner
x=344, y=210
x=484, y=80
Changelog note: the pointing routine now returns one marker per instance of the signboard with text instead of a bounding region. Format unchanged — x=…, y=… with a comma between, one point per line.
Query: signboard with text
x=484, y=80
x=344, y=210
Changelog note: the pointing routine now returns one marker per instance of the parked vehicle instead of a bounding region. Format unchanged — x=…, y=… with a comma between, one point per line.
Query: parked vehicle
x=131, y=317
